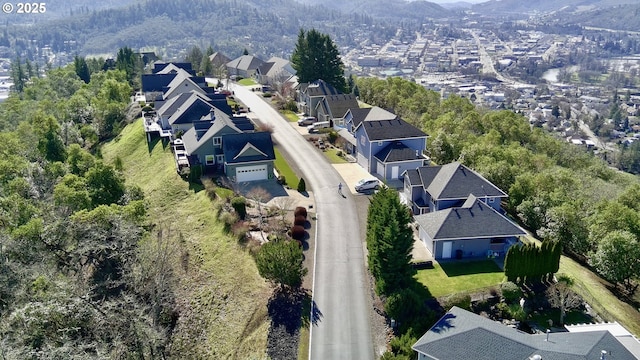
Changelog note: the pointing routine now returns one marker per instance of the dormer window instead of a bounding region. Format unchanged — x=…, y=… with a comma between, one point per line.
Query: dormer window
x=217, y=140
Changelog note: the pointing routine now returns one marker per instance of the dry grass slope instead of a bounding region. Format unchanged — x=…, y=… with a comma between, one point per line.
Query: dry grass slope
x=221, y=297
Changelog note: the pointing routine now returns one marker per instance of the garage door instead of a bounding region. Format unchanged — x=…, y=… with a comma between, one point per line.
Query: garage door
x=251, y=173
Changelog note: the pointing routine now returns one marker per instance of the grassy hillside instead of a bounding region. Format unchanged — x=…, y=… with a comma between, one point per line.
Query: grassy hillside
x=222, y=299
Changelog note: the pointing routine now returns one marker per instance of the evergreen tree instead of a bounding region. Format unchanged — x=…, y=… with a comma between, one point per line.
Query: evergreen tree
x=317, y=57
x=280, y=261
x=82, y=69
x=131, y=63
x=18, y=75
x=389, y=241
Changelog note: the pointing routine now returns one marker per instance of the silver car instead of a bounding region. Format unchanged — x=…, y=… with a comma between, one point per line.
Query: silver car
x=308, y=120
x=365, y=185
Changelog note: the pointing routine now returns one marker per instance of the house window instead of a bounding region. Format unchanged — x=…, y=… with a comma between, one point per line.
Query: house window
x=491, y=200
x=209, y=159
x=219, y=159
x=361, y=139
x=217, y=140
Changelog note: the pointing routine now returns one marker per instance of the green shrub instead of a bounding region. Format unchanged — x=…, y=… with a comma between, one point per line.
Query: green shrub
x=291, y=105
x=302, y=187
x=460, y=300
x=510, y=292
x=333, y=136
x=240, y=206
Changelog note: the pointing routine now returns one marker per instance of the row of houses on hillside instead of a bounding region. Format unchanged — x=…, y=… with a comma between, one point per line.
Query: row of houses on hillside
x=204, y=130
x=458, y=212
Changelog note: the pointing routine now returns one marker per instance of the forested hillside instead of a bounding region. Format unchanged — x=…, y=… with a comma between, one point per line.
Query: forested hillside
x=104, y=251
x=556, y=190
x=387, y=9
x=263, y=28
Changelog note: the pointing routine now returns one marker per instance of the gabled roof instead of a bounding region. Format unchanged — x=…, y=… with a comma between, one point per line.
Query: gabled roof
x=397, y=152
x=175, y=87
x=473, y=220
x=396, y=129
x=370, y=114
x=155, y=82
x=413, y=177
x=193, y=138
x=320, y=88
x=460, y=334
x=245, y=62
x=247, y=147
x=243, y=123
x=159, y=66
x=337, y=105
x=277, y=65
x=218, y=59
x=194, y=108
x=456, y=181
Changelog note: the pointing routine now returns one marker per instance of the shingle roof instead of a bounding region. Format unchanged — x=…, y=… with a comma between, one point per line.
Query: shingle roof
x=397, y=152
x=339, y=104
x=474, y=220
x=456, y=181
x=390, y=130
x=256, y=146
x=191, y=139
x=460, y=334
x=245, y=62
x=192, y=109
x=413, y=176
x=320, y=88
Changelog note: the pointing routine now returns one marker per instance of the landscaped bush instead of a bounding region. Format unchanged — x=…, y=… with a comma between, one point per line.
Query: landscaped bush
x=512, y=311
x=302, y=187
x=333, y=136
x=298, y=232
x=228, y=219
x=300, y=220
x=510, y=292
x=267, y=95
x=291, y=105
x=300, y=211
x=240, y=206
x=460, y=300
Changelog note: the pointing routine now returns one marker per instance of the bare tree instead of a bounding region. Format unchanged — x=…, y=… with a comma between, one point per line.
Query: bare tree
x=560, y=295
x=259, y=196
x=284, y=205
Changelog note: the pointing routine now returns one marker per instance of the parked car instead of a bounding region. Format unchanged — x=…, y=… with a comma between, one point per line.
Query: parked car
x=317, y=126
x=365, y=185
x=307, y=120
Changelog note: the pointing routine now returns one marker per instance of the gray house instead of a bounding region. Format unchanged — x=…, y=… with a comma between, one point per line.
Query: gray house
x=474, y=229
x=244, y=66
x=248, y=156
x=432, y=188
x=310, y=94
x=334, y=107
x=460, y=334
x=203, y=141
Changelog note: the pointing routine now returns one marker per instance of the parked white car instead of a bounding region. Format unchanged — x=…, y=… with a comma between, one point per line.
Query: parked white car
x=307, y=120
x=365, y=185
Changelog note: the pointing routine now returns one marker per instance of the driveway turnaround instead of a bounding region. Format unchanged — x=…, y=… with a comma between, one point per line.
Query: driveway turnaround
x=342, y=328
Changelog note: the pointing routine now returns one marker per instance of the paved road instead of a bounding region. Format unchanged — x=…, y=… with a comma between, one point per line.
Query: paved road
x=343, y=330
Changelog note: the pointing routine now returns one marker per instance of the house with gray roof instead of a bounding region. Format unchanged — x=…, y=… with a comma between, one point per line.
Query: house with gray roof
x=460, y=334
x=388, y=148
x=332, y=108
x=248, y=156
x=244, y=66
x=458, y=212
x=432, y=188
x=310, y=94
x=474, y=229
x=274, y=71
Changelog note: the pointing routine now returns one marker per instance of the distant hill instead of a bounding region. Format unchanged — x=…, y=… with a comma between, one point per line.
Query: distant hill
x=264, y=28
x=623, y=17
x=386, y=9
x=527, y=7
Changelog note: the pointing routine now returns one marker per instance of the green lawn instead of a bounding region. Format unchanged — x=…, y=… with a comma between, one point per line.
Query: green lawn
x=285, y=170
x=247, y=82
x=290, y=115
x=454, y=277
x=220, y=294
x=331, y=154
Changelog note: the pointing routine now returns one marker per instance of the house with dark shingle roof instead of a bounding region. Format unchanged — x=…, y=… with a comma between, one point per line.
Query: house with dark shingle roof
x=310, y=94
x=388, y=148
x=274, y=71
x=460, y=334
x=332, y=108
x=432, y=188
x=248, y=156
x=458, y=212
x=472, y=230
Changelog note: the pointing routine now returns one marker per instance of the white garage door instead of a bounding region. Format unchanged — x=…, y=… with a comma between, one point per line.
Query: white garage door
x=251, y=173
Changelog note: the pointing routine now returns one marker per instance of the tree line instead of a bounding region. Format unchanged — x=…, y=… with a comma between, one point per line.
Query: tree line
x=78, y=276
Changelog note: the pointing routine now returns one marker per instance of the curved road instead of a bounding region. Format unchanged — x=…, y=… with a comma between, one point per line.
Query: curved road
x=343, y=328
